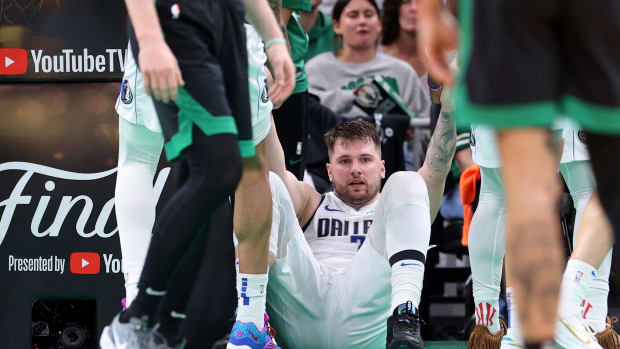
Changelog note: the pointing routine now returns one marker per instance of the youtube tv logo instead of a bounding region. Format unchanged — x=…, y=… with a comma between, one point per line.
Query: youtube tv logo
x=13, y=61
x=85, y=263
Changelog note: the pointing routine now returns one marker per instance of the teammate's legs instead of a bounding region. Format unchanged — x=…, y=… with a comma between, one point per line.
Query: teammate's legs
x=173, y=307
x=201, y=129
x=139, y=152
x=580, y=181
x=533, y=254
x=185, y=213
x=486, y=251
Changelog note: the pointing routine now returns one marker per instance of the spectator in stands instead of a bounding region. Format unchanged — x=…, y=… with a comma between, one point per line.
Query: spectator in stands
x=321, y=32
x=400, y=28
x=343, y=80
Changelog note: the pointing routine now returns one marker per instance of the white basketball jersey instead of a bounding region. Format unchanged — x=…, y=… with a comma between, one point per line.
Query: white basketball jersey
x=337, y=231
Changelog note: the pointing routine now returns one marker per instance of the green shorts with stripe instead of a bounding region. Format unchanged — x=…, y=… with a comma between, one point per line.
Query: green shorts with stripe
x=208, y=39
x=524, y=62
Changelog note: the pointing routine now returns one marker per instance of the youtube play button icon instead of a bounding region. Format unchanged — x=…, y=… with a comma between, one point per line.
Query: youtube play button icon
x=85, y=263
x=13, y=61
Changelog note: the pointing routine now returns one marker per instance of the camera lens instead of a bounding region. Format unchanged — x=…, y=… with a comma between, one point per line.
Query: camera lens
x=73, y=336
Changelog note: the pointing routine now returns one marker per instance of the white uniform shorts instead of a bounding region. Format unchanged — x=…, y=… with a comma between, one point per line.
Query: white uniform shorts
x=484, y=144
x=135, y=106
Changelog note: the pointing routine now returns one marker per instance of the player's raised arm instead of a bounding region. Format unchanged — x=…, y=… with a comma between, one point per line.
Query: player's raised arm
x=439, y=159
x=160, y=69
x=263, y=19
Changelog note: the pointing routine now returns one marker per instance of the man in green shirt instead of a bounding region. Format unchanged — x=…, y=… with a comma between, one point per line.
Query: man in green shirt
x=290, y=118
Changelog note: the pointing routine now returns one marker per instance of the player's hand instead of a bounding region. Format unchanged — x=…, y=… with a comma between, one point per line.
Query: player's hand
x=269, y=78
x=437, y=33
x=283, y=71
x=160, y=70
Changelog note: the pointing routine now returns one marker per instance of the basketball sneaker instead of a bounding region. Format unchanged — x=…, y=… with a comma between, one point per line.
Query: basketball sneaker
x=245, y=335
x=403, y=328
x=154, y=340
x=130, y=335
x=572, y=332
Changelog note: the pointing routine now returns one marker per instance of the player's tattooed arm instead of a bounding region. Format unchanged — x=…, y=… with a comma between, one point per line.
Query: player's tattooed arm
x=439, y=159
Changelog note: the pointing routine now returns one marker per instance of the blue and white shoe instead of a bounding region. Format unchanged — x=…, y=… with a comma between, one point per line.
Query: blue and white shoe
x=245, y=335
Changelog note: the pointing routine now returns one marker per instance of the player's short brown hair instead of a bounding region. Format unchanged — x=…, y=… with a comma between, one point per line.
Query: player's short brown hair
x=353, y=130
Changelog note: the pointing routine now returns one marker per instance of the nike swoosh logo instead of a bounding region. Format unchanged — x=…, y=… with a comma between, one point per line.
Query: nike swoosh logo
x=293, y=162
x=406, y=264
x=254, y=337
x=332, y=209
x=575, y=332
x=176, y=315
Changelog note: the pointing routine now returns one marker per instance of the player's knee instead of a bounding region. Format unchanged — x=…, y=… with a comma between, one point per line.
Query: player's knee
x=215, y=184
x=408, y=184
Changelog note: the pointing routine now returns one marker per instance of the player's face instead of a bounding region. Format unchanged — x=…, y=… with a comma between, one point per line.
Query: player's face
x=356, y=169
x=359, y=25
x=408, y=15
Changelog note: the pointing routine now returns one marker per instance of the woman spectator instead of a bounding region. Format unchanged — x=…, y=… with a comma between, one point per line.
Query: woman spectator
x=400, y=28
x=346, y=76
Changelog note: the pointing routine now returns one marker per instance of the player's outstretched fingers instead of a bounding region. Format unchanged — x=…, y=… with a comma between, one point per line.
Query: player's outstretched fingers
x=156, y=87
x=165, y=88
x=173, y=85
x=146, y=80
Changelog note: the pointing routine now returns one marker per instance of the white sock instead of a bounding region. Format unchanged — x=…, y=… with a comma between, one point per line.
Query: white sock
x=487, y=314
x=407, y=279
x=514, y=324
x=595, y=306
x=252, y=292
x=575, y=283
x=131, y=272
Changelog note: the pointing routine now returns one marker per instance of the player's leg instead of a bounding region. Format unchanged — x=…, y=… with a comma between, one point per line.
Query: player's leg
x=135, y=198
x=592, y=95
x=201, y=128
x=252, y=222
x=298, y=285
x=253, y=209
x=580, y=181
x=486, y=254
x=533, y=254
x=175, y=307
x=386, y=275
x=592, y=247
x=603, y=150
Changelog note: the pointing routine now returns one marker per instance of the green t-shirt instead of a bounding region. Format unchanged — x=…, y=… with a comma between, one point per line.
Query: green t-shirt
x=302, y=5
x=321, y=37
x=299, y=46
